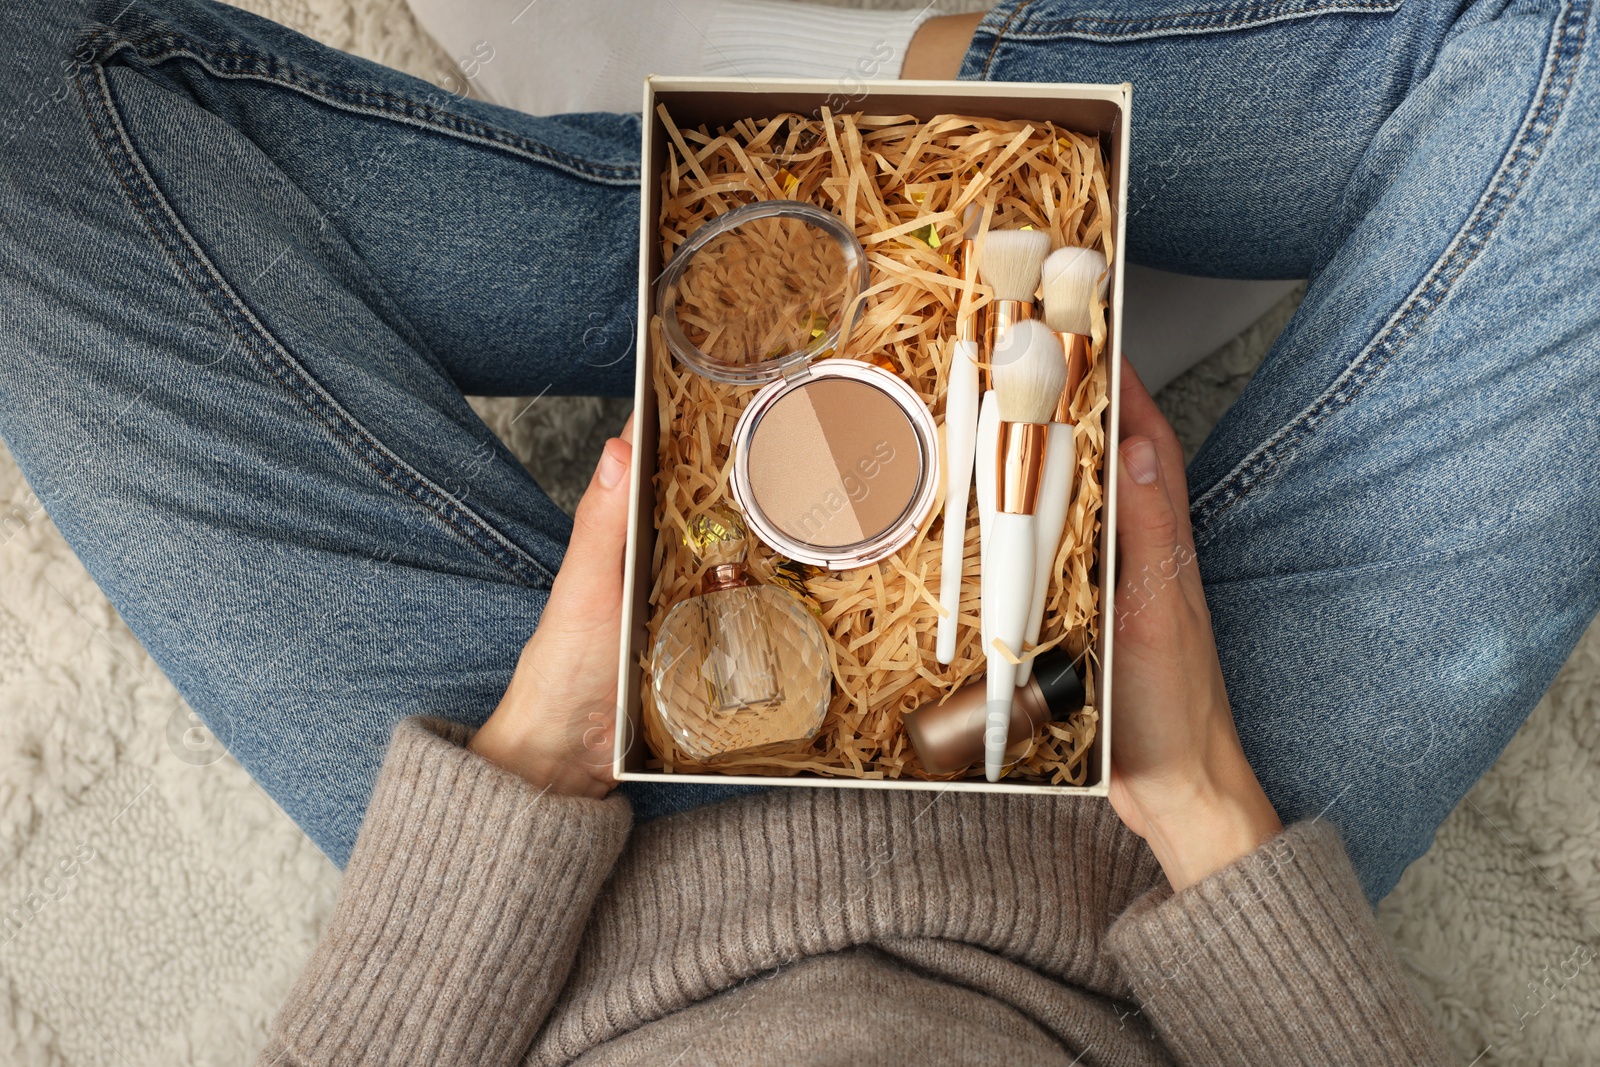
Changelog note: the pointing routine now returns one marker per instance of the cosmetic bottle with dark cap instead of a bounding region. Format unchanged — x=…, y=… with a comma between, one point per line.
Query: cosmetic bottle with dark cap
x=948, y=737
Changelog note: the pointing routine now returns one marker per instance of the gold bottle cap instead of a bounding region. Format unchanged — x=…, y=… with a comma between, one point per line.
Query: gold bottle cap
x=717, y=536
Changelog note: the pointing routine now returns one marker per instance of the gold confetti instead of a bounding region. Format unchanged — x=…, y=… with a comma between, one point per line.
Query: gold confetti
x=793, y=575
x=789, y=182
x=878, y=359
x=928, y=235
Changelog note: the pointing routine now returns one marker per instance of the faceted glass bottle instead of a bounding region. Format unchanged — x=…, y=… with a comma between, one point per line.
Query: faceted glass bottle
x=740, y=668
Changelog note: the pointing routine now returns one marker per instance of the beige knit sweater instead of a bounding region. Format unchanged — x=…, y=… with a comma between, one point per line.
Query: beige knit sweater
x=481, y=922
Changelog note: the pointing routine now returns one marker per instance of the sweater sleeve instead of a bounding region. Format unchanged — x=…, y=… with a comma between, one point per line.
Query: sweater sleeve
x=1278, y=954
x=458, y=918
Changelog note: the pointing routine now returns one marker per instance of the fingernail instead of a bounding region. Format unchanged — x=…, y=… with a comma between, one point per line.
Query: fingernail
x=1140, y=456
x=611, y=468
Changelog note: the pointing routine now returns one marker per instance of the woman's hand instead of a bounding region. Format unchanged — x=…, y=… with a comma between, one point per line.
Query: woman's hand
x=555, y=724
x=1179, y=778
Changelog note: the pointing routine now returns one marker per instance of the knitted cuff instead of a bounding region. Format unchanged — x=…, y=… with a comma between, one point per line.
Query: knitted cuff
x=459, y=914
x=1276, y=959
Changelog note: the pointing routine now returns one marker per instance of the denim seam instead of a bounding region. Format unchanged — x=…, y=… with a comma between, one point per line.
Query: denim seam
x=203, y=277
x=156, y=49
x=1213, y=20
x=1474, y=547
x=1000, y=34
x=1564, y=50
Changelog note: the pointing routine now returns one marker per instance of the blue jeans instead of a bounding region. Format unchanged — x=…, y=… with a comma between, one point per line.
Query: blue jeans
x=247, y=280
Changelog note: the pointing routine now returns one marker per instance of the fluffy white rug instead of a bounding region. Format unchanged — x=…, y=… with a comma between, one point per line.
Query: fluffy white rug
x=157, y=905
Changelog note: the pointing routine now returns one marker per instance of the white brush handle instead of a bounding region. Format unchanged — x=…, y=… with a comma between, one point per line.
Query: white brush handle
x=1050, y=518
x=1007, y=583
x=960, y=440
x=988, y=444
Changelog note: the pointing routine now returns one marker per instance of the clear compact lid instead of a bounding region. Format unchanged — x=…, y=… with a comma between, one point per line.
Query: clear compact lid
x=761, y=291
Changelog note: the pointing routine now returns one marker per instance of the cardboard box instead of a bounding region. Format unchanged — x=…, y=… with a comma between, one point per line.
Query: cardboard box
x=1101, y=110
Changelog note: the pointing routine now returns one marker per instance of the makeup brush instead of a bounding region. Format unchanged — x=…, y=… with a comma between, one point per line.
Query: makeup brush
x=988, y=434
x=1071, y=277
x=960, y=432
x=1009, y=264
x=984, y=462
x=1029, y=374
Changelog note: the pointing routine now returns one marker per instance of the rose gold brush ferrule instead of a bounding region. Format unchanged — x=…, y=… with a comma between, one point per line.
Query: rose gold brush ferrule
x=967, y=325
x=998, y=317
x=1019, y=462
x=1076, y=348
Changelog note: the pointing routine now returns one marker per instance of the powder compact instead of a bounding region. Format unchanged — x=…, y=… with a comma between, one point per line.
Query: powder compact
x=835, y=461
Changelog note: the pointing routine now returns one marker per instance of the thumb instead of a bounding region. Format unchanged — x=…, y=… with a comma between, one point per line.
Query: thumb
x=1147, y=527
x=588, y=588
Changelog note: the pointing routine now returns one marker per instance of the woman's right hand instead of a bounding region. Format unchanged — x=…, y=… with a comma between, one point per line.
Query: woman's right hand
x=1179, y=777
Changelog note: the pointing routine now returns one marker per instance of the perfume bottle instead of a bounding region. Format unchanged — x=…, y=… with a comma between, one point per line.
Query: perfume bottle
x=740, y=668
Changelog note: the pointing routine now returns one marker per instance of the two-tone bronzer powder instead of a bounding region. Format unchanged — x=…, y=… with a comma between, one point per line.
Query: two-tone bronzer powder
x=835, y=461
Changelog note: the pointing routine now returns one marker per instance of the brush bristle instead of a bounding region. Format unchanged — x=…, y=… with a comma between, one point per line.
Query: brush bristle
x=1010, y=262
x=1030, y=370
x=1071, y=277
x=972, y=221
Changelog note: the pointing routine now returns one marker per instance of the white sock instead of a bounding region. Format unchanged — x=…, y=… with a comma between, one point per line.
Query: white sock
x=551, y=57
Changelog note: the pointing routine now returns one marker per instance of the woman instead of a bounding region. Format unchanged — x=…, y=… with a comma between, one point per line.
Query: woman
x=248, y=280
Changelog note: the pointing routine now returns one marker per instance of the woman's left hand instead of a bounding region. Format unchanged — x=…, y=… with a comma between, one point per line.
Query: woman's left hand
x=555, y=724
x=1179, y=776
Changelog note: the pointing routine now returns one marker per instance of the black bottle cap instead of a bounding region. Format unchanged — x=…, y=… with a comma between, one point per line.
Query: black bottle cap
x=1056, y=673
